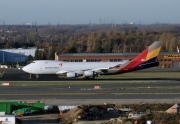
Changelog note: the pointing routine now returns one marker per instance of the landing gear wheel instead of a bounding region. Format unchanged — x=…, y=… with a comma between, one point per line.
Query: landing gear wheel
x=37, y=76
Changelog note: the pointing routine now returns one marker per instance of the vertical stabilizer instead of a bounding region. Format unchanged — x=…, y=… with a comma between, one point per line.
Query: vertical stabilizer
x=146, y=59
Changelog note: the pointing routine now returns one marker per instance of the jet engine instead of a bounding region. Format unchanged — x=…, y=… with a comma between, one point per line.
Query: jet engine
x=71, y=74
x=89, y=73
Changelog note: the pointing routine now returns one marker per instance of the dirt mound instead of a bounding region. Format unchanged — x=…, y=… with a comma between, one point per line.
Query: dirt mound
x=69, y=117
x=165, y=118
x=144, y=107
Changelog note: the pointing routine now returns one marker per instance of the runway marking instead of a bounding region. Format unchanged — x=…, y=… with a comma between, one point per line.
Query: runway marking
x=82, y=94
x=1, y=74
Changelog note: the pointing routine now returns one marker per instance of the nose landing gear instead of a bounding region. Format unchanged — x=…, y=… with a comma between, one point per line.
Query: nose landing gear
x=37, y=76
x=30, y=76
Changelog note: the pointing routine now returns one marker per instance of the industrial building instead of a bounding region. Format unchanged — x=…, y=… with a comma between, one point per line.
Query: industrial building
x=16, y=55
x=166, y=59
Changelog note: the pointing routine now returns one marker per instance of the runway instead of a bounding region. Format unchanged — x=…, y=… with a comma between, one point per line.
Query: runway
x=19, y=75
x=111, y=91
x=114, y=91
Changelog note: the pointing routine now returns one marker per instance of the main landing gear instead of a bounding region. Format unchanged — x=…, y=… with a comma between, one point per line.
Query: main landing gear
x=89, y=78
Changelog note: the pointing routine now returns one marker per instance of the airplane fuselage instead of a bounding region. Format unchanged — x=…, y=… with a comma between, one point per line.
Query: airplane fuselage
x=60, y=67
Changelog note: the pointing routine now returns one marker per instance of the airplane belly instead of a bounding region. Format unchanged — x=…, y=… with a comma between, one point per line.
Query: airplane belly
x=112, y=71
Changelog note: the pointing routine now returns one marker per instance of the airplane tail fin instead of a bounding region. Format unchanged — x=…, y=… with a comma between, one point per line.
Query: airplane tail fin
x=146, y=59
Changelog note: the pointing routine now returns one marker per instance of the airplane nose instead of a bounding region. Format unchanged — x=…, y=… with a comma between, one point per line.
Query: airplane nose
x=24, y=69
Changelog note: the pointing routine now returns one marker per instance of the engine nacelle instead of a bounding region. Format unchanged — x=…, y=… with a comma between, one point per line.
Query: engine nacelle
x=89, y=73
x=71, y=74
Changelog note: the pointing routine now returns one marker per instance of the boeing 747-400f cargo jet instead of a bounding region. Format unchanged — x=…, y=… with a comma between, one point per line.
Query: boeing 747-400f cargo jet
x=90, y=70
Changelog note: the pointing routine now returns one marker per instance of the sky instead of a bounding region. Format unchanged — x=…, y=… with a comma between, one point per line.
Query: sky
x=89, y=11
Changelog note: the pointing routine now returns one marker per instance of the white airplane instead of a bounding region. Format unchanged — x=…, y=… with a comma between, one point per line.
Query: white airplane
x=90, y=70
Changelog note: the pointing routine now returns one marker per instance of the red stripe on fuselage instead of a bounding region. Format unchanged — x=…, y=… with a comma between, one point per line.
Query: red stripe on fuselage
x=135, y=62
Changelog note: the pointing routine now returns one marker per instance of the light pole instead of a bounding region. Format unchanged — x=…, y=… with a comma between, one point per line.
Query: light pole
x=3, y=56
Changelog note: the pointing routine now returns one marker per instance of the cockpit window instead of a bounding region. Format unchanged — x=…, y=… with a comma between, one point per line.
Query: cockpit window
x=33, y=62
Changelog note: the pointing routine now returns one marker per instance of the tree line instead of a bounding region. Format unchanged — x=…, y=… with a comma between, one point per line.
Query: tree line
x=89, y=38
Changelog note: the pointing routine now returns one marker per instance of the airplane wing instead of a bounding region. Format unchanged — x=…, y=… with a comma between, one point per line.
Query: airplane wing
x=97, y=71
x=62, y=72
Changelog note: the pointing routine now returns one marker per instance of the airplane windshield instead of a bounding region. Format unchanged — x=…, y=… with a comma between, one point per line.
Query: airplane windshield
x=33, y=62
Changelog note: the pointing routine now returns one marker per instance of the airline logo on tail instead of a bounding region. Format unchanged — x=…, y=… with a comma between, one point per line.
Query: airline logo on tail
x=144, y=60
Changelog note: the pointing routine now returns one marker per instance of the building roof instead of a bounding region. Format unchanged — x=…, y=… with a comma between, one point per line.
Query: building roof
x=112, y=54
